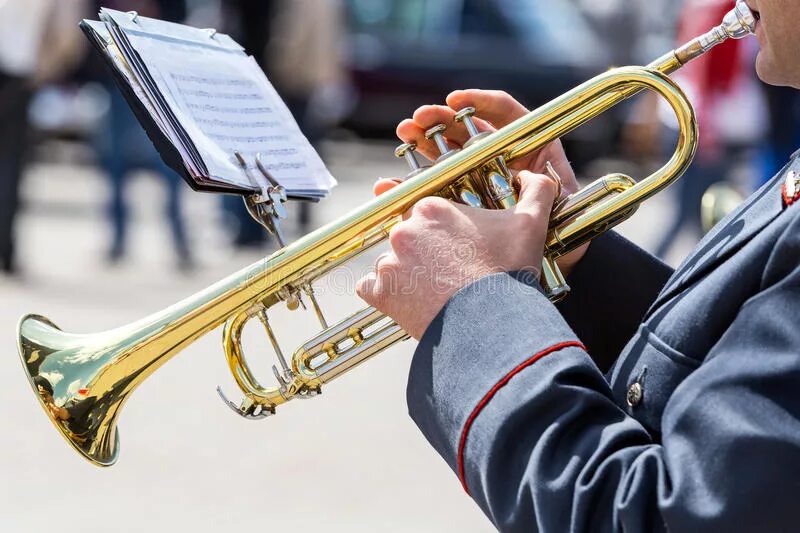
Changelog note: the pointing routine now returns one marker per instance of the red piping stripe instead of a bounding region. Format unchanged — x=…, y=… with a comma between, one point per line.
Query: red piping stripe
x=787, y=200
x=486, y=399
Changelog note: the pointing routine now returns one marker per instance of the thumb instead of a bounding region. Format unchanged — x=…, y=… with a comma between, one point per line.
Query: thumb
x=384, y=185
x=537, y=192
x=366, y=286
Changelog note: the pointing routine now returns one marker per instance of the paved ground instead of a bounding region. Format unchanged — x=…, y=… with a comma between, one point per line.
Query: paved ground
x=350, y=461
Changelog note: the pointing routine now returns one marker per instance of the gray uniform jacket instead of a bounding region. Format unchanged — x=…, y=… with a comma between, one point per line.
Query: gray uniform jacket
x=695, y=426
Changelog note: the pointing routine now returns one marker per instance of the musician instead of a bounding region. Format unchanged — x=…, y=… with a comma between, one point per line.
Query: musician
x=38, y=44
x=695, y=426
x=72, y=414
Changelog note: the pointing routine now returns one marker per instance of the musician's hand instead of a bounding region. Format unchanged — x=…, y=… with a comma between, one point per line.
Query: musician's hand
x=59, y=413
x=494, y=110
x=442, y=246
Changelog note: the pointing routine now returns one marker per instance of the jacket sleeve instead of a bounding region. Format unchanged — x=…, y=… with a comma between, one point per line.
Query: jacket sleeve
x=502, y=388
x=613, y=286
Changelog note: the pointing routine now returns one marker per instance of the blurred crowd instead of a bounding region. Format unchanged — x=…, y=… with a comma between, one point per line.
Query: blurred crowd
x=363, y=65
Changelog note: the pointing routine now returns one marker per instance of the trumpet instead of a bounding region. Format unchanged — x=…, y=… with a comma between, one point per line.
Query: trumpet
x=83, y=380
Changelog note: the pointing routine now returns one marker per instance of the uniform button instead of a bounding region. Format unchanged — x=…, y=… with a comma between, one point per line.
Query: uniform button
x=635, y=394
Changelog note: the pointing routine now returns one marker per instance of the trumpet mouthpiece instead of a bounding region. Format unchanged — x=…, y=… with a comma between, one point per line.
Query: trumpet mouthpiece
x=739, y=22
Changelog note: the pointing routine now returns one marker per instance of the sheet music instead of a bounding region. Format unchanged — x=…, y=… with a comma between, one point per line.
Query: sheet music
x=102, y=34
x=225, y=104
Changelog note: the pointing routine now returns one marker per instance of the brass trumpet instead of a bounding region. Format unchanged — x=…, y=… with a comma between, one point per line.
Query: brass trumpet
x=82, y=381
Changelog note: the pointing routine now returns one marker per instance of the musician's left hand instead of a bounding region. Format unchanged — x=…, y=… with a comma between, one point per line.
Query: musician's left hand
x=442, y=246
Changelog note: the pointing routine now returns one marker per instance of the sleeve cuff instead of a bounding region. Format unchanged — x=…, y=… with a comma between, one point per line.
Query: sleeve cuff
x=594, y=310
x=487, y=333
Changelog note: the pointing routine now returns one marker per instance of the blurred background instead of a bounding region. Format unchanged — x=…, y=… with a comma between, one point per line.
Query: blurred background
x=96, y=232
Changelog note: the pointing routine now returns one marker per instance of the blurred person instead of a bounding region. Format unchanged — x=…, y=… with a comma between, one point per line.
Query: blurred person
x=38, y=43
x=124, y=147
x=250, y=23
x=635, y=31
x=305, y=61
x=730, y=110
x=650, y=399
x=299, y=45
x=45, y=389
x=72, y=416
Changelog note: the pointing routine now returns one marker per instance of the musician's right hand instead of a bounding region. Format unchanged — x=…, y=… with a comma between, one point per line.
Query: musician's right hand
x=494, y=110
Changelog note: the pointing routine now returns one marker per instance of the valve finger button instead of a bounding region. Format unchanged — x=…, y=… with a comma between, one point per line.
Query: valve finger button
x=406, y=151
x=465, y=116
x=436, y=134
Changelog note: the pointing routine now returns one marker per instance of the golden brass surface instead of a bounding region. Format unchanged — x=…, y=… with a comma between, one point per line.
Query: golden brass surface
x=82, y=381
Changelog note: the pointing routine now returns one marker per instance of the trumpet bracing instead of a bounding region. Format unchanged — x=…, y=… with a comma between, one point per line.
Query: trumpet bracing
x=82, y=381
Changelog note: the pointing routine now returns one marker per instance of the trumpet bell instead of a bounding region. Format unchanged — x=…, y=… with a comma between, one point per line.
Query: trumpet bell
x=62, y=370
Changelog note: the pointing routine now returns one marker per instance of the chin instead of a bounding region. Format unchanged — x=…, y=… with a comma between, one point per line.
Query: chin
x=770, y=72
x=766, y=70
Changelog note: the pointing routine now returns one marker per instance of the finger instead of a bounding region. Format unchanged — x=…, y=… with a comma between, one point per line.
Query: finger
x=366, y=287
x=425, y=117
x=386, y=280
x=411, y=132
x=385, y=258
x=384, y=185
x=537, y=192
x=497, y=107
x=428, y=116
x=553, y=152
x=483, y=125
x=377, y=285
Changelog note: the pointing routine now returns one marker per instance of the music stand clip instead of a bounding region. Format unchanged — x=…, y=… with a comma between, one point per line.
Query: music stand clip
x=267, y=208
